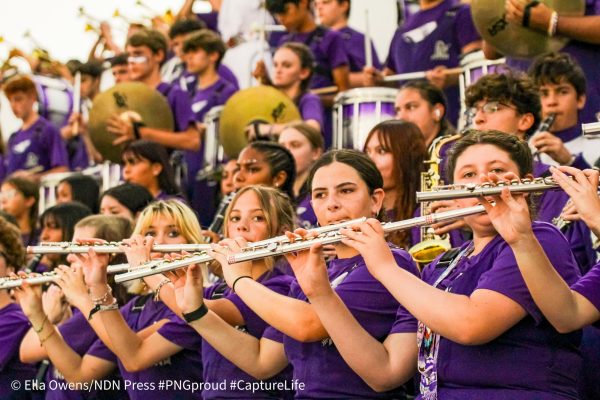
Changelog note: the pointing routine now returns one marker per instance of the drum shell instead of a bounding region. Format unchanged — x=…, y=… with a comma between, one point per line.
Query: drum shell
x=213, y=154
x=55, y=99
x=357, y=111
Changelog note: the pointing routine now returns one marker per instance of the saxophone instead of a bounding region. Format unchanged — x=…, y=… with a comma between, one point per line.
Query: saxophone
x=431, y=245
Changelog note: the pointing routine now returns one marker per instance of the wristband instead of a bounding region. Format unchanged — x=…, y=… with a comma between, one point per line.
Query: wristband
x=237, y=279
x=196, y=314
x=527, y=13
x=136, y=129
x=553, y=25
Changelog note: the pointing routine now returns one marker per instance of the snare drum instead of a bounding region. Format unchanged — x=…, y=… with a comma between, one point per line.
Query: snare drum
x=213, y=154
x=55, y=99
x=357, y=111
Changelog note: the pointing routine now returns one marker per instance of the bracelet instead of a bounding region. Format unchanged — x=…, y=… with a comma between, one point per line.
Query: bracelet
x=237, y=279
x=527, y=13
x=196, y=314
x=41, y=327
x=136, y=129
x=47, y=337
x=100, y=300
x=553, y=25
x=110, y=307
x=93, y=311
x=160, y=285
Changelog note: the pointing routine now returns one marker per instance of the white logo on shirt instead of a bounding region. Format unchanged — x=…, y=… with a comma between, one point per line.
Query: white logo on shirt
x=441, y=51
x=326, y=342
x=32, y=160
x=21, y=147
x=196, y=107
x=419, y=34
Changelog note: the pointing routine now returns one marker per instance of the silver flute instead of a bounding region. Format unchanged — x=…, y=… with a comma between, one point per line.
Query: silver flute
x=159, y=266
x=110, y=247
x=453, y=192
x=49, y=277
x=330, y=236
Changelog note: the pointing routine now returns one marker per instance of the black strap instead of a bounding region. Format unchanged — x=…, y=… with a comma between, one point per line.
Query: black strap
x=447, y=258
x=527, y=12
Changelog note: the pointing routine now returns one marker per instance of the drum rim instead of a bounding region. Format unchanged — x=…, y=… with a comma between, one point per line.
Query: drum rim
x=368, y=94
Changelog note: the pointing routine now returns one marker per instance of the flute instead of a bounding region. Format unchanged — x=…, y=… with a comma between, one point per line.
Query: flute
x=453, y=192
x=49, y=277
x=110, y=247
x=159, y=266
x=331, y=236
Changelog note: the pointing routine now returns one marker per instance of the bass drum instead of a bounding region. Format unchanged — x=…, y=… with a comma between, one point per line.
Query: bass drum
x=357, y=111
x=55, y=99
x=213, y=154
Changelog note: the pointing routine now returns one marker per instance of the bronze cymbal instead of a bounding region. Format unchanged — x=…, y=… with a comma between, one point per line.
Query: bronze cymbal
x=515, y=40
x=258, y=103
x=128, y=100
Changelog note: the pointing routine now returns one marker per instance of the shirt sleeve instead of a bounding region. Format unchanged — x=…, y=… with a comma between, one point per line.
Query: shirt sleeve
x=99, y=349
x=57, y=148
x=177, y=331
x=505, y=277
x=465, y=28
x=589, y=286
x=13, y=326
x=312, y=108
x=273, y=334
x=336, y=51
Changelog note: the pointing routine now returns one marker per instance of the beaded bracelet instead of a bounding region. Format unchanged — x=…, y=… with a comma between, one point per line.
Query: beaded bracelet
x=160, y=285
x=100, y=300
x=41, y=327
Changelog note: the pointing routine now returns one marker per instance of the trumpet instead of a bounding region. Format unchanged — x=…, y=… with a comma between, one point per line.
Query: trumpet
x=272, y=247
x=453, y=192
x=167, y=16
x=49, y=277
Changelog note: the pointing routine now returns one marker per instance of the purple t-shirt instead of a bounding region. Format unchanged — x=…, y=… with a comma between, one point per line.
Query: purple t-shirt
x=202, y=194
x=531, y=360
x=210, y=19
x=355, y=48
x=38, y=145
x=589, y=287
x=80, y=336
x=434, y=37
x=188, y=82
x=77, y=154
x=216, y=367
x=588, y=57
x=13, y=327
x=305, y=213
x=550, y=205
x=179, y=102
x=141, y=312
x=310, y=107
x=318, y=364
x=329, y=51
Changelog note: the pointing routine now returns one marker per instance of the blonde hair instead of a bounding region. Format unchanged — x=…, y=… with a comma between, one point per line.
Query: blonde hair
x=184, y=218
x=279, y=212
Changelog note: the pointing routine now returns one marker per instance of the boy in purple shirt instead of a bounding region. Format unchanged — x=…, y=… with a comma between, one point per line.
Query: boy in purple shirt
x=147, y=49
x=432, y=40
x=327, y=46
x=37, y=147
x=334, y=14
x=562, y=87
x=203, y=52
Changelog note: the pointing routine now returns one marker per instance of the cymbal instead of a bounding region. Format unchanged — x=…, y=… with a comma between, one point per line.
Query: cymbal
x=515, y=40
x=257, y=103
x=129, y=100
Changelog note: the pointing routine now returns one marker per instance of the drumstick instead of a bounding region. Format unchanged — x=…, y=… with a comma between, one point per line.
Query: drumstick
x=368, y=51
x=76, y=102
x=419, y=75
x=325, y=90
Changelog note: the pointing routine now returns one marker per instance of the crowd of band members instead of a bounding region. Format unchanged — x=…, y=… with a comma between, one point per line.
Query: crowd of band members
x=506, y=313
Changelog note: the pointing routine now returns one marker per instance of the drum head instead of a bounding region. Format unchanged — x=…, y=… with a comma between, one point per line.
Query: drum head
x=134, y=97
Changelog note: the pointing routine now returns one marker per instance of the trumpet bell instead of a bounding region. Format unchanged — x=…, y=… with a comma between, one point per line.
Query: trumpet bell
x=426, y=251
x=263, y=103
x=515, y=40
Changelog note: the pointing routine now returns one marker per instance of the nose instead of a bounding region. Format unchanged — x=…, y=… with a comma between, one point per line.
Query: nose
x=479, y=118
x=241, y=226
x=332, y=202
x=400, y=113
x=550, y=99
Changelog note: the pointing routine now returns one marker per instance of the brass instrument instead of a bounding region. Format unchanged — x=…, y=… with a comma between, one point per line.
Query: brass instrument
x=431, y=245
x=167, y=16
x=327, y=235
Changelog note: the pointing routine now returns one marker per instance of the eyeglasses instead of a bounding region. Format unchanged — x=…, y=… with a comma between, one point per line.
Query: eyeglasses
x=137, y=59
x=8, y=194
x=488, y=108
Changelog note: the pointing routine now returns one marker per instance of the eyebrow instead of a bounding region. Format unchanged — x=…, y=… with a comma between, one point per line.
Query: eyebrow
x=246, y=162
x=487, y=163
x=253, y=210
x=168, y=226
x=337, y=186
